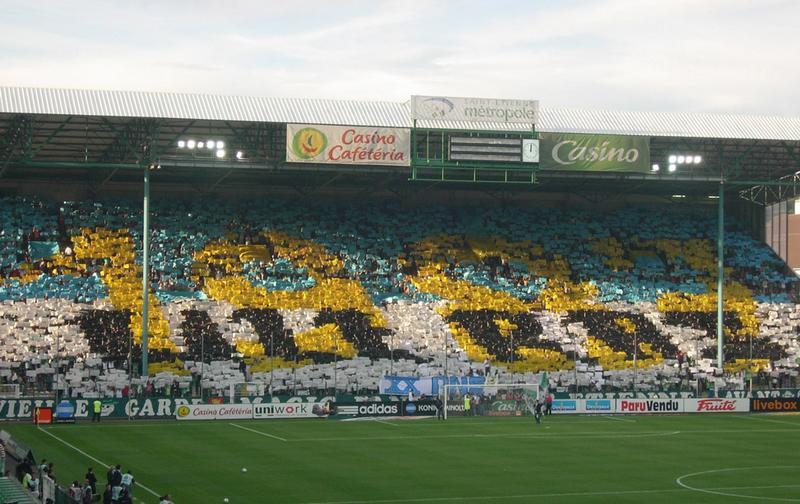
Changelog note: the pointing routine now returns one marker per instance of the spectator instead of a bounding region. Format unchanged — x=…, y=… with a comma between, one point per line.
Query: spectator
x=124, y=497
x=92, y=479
x=127, y=482
x=116, y=479
x=76, y=492
x=107, y=495
x=87, y=495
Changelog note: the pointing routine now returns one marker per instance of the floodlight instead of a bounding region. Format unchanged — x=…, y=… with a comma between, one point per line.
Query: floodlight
x=181, y=144
x=239, y=154
x=190, y=144
x=210, y=144
x=681, y=159
x=199, y=145
x=672, y=167
x=656, y=167
x=698, y=159
x=673, y=159
x=678, y=195
x=220, y=144
x=221, y=153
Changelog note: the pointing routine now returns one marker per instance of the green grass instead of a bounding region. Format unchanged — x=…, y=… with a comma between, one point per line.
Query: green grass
x=566, y=459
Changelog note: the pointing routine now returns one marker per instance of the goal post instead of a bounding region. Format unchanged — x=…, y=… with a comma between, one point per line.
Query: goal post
x=496, y=399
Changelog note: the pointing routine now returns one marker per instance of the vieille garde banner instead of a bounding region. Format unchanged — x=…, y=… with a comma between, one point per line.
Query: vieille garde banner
x=609, y=153
x=353, y=145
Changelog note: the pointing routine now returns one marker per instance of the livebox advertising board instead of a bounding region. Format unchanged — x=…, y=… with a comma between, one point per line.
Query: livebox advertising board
x=775, y=405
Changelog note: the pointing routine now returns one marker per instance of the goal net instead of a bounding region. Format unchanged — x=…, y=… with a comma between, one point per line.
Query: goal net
x=498, y=399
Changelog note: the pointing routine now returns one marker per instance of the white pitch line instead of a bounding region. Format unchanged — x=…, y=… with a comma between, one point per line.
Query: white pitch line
x=771, y=420
x=95, y=459
x=717, y=491
x=628, y=420
x=266, y=434
x=580, y=435
x=385, y=422
x=529, y=496
x=503, y=497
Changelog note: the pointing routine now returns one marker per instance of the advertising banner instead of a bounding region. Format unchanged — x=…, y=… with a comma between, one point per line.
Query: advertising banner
x=639, y=406
x=506, y=407
x=599, y=405
x=420, y=408
x=289, y=410
x=214, y=412
x=607, y=153
x=479, y=110
x=429, y=386
x=568, y=406
x=775, y=405
x=369, y=409
x=351, y=145
x=716, y=405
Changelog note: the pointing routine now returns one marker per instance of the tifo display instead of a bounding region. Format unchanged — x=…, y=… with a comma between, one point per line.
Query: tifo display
x=290, y=297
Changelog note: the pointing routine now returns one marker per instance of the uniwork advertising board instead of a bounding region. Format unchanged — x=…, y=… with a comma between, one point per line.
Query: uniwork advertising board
x=258, y=411
x=69, y=410
x=607, y=153
x=350, y=145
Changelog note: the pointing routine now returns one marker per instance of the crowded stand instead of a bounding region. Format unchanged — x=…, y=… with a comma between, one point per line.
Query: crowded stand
x=322, y=296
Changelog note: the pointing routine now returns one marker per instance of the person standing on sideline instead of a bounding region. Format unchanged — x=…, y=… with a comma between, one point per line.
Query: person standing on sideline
x=127, y=482
x=107, y=495
x=92, y=479
x=439, y=408
x=466, y=405
x=98, y=408
x=548, y=404
x=87, y=496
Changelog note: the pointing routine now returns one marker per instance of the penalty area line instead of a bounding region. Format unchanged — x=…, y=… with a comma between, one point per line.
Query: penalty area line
x=504, y=497
x=265, y=434
x=94, y=459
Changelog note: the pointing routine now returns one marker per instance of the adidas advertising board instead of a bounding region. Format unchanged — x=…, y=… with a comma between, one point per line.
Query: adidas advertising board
x=369, y=409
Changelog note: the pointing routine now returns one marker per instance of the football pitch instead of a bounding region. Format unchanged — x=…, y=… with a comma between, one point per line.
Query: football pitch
x=654, y=459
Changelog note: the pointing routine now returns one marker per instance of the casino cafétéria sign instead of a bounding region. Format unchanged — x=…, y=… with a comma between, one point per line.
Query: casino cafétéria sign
x=352, y=145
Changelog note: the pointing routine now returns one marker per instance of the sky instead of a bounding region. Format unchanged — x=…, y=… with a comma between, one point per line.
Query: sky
x=731, y=56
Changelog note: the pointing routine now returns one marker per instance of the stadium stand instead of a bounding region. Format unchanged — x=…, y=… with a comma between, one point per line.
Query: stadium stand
x=418, y=290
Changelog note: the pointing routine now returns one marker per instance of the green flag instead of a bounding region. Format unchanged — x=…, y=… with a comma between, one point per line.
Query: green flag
x=544, y=383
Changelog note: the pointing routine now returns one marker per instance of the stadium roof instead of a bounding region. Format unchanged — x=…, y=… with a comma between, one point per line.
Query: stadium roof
x=46, y=101
x=103, y=138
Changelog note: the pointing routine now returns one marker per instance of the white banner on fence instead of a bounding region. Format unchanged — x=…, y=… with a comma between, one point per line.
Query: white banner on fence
x=568, y=406
x=716, y=405
x=289, y=410
x=477, y=110
x=352, y=145
x=214, y=412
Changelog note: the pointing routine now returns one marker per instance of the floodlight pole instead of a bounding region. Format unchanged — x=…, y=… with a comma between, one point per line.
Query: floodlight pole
x=720, y=271
x=145, y=264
